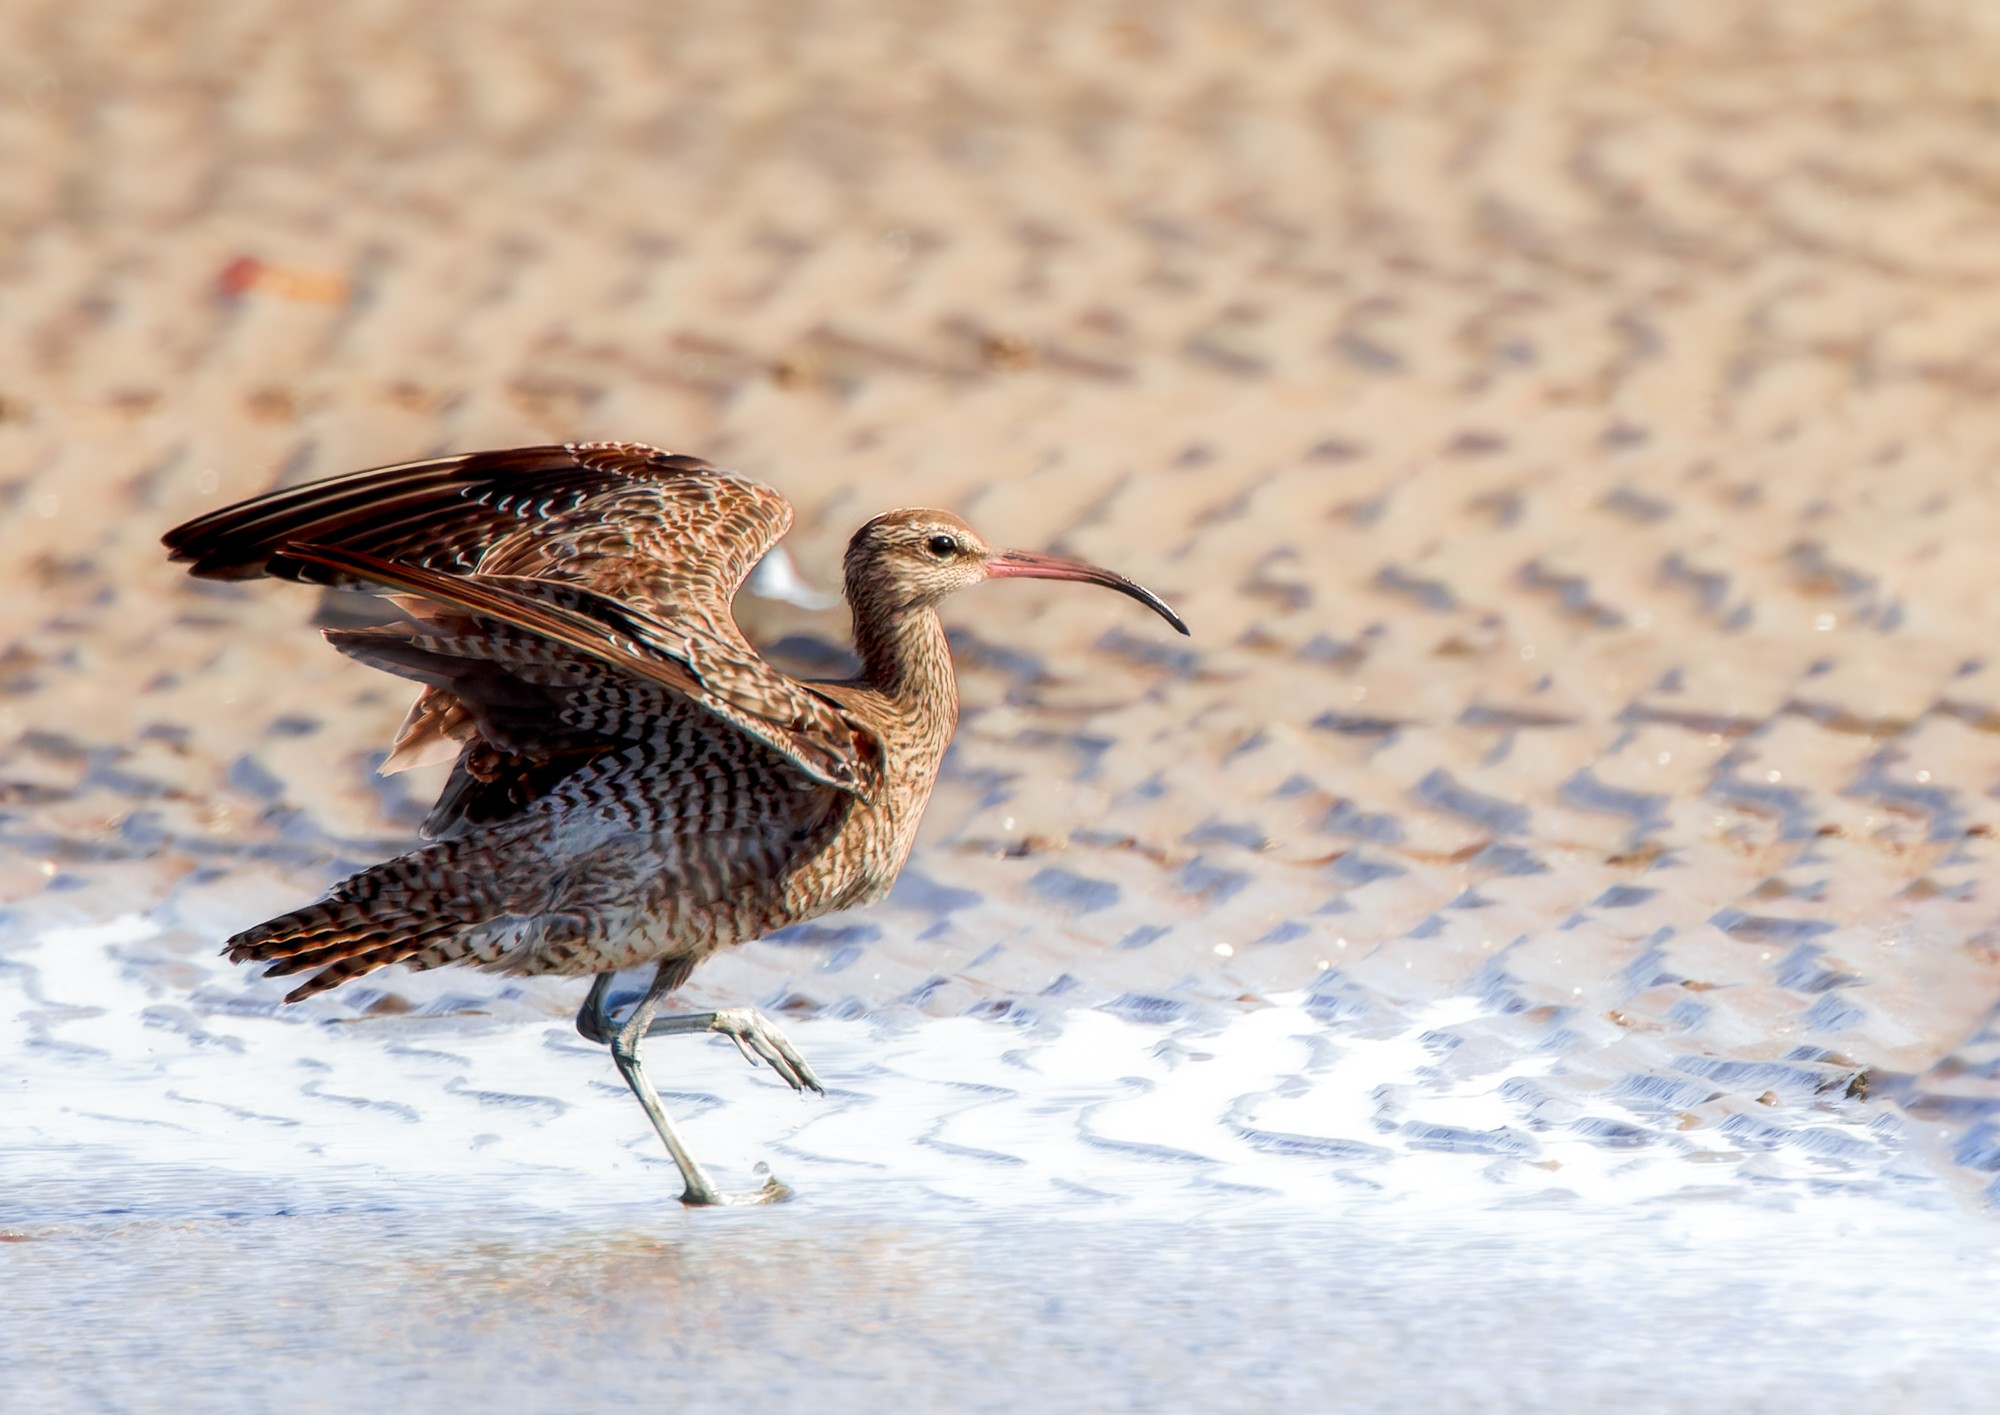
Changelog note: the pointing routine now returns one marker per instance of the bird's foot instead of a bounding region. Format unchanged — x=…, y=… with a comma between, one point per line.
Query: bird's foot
x=773, y=1192
x=759, y=1040
x=755, y=1035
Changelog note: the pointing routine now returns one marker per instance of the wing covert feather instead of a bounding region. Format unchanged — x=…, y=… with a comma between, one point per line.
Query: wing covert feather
x=821, y=740
x=447, y=513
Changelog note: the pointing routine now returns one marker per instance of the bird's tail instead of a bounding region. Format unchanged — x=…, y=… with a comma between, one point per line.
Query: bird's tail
x=391, y=913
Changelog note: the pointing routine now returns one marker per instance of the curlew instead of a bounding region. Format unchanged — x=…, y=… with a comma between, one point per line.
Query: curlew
x=631, y=783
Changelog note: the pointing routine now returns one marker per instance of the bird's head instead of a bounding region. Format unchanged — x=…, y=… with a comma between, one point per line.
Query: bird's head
x=911, y=559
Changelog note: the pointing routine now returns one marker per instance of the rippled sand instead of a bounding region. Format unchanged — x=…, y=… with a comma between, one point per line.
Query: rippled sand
x=1569, y=430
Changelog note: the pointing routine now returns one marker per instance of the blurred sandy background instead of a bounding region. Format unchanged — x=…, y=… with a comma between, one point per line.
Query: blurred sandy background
x=1570, y=430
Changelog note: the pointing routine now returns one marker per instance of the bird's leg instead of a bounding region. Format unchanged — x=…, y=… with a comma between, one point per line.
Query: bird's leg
x=593, y=1019
x=594, y=1022
x=697, y=1187
x=755, y=1035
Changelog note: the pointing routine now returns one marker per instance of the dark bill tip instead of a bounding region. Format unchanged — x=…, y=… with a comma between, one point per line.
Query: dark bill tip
x=1032, y=565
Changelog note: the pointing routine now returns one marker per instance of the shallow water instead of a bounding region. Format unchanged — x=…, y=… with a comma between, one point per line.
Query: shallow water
x=1532, y=948
x=826, y=1308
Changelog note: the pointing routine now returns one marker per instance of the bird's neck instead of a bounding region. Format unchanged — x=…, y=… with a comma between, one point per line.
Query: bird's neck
x=905, y=658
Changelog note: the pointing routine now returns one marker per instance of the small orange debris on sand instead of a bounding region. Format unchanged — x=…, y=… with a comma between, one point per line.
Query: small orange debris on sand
x=311, y=287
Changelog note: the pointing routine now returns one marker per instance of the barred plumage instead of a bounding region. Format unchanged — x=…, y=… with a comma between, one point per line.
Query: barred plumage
x=631, y=782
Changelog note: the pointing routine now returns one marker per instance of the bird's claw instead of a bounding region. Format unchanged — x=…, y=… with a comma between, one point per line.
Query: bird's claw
x=773, y=1192
x=760, y=1041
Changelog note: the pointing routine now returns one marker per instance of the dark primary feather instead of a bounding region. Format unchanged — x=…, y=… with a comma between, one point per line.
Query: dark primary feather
x=442, y=512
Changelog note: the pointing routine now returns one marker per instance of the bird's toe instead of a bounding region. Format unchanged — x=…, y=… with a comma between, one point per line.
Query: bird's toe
x=759, y=1040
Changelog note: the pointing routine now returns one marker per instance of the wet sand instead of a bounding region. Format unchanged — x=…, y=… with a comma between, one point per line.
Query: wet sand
x=1569, y=432
x=811, y=1309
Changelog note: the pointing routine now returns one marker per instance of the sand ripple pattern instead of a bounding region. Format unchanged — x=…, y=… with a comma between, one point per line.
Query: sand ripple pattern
x=1569, y=429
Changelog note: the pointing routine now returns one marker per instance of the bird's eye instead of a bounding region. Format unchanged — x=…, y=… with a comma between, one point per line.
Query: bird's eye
x=943, y=546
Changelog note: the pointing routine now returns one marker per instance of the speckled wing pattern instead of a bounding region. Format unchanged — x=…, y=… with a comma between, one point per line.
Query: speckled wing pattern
x=745, y=693
x=624, y=556
x=445, y=513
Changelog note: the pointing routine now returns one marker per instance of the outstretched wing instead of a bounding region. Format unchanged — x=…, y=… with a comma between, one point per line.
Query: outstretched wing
x=619, y=552
x=446, y=512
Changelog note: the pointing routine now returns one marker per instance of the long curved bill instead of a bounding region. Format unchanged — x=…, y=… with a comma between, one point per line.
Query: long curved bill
x=1032, y=565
